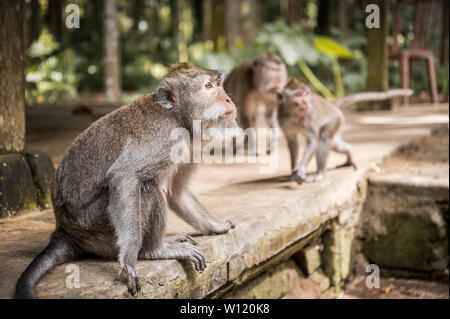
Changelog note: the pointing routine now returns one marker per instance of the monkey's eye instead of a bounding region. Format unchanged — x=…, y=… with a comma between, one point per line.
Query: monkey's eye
x=219, y=84
x=208, y=85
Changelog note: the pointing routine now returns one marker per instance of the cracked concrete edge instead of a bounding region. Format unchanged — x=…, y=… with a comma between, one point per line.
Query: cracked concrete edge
x=249, y=249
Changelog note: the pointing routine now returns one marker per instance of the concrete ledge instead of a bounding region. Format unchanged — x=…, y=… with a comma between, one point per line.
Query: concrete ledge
x=274, y=220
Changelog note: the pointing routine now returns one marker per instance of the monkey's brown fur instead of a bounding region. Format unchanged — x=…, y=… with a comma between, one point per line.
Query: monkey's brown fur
x=302, y=112
x=115, y=182
x=255, y=83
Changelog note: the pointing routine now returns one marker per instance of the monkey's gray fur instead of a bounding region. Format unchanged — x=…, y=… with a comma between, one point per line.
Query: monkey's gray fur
x=109, y=191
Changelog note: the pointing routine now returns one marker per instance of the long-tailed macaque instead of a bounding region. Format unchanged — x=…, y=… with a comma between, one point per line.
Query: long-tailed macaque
x=115, y=182
x=255, y=83
x=319, y=121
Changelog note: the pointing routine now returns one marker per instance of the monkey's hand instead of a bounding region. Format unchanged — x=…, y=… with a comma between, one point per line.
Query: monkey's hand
x=220, y=227
x=179, y=247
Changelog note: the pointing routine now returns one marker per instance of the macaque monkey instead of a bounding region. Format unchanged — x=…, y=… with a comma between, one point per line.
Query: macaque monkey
x=301, y=111
x=113, y=187
x=256, y=83
x=319, y=121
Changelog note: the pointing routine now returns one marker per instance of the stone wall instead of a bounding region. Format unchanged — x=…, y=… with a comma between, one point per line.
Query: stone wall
x=25, y=180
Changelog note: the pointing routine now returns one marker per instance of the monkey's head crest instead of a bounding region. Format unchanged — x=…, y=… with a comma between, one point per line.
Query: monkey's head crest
x=180, y=75
x=185, y=69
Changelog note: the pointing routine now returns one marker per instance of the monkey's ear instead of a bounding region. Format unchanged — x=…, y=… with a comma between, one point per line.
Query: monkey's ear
x=165, y=96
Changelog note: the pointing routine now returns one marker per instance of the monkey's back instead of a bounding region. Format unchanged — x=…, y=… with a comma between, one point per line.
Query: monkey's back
x=238, y=84
x=327, y=113
x=79, y=189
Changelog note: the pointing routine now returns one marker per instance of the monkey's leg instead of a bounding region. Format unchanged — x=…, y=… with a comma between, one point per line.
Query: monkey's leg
x=249, y=125
x=272, y=122
x=310, y=148
x=180, y=247
x=189, y=209
x=292, y=141
x=321, y=157
x=338, y=145
x=125, y=216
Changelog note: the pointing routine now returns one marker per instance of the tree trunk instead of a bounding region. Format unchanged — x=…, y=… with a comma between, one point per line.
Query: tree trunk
x=35, y=24
x=111, y=47
x=232, y=22
x=291, y=10
x=444, y=31
x=218, y=25
x=343, y=15
x=54, y=19
x=323, y=18
x=377, y=57
x=175, y=24
x=178, y=37
x=197, y=10
x=251, y=20
x=137, y=11
x=207, y=14
x=12, y=99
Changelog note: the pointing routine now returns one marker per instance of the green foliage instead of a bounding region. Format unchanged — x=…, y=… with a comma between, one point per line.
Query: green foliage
x=51, y=77
x=308, y=57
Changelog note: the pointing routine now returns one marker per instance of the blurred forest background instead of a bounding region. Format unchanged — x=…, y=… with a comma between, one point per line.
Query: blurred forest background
x=123, y=48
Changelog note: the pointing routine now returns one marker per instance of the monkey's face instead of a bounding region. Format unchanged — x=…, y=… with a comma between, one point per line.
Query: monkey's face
x=213, y=106
x=200, y=97
x=217, y=105
x=270, y=76
x=297, y=102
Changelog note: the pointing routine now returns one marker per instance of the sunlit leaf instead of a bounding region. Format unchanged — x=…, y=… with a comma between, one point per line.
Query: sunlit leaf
x=331, y=48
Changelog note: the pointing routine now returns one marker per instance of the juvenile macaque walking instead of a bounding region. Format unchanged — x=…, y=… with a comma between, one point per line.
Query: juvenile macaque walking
x=255, y=83
x=115, y=182
x=319, y=121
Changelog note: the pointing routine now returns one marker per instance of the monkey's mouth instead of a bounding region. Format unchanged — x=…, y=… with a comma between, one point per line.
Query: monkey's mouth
x=228, y=115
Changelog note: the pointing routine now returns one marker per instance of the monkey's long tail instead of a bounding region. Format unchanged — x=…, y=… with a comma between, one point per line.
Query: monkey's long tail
x=371, y=96
x=58, y=251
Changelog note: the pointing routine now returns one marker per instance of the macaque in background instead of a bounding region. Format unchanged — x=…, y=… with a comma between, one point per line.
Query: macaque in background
x=113, y=187
x=256, y=83
x=302, y=112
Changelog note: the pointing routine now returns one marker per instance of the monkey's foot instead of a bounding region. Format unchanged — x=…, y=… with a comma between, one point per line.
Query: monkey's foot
x=220, y=227
x=295, y=177
x=181, y=238
x=315, y=177
x=133, y=283
x=173, y=249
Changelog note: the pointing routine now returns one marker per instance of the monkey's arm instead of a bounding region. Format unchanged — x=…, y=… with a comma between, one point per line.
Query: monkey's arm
x=292, y=140
x=189, y=208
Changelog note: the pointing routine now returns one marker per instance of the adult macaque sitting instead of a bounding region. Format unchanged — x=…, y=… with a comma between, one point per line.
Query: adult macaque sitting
x=115, y=182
